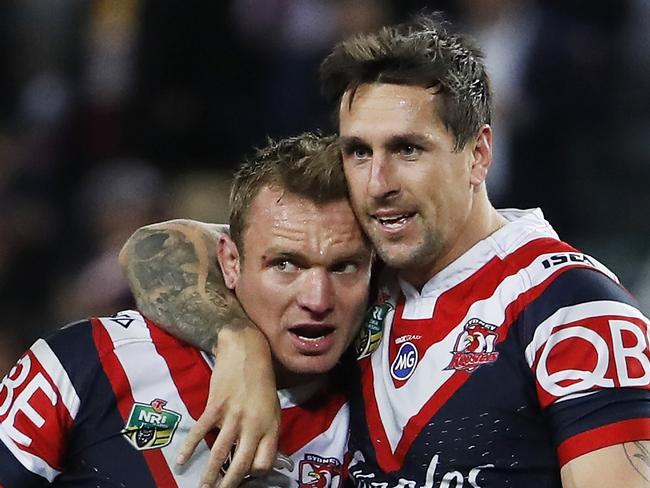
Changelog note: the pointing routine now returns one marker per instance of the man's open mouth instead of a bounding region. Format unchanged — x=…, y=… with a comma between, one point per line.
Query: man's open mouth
x=312, y=332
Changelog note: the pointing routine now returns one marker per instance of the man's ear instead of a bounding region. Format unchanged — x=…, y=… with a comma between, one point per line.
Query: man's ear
x=228, y=257
x=482, y=157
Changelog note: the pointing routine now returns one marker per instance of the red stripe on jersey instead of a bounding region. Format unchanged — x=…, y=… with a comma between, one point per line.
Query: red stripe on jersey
x=46, y=441
x=378, y=436
x=452, y=306
x=415, y=424
x=483, y=283
x=608, y=435
x=119, y=382
x=303, y=423
x=54, y=430
x=446, y=315
x=449, y=388
x=345, y=469
x=189, y=371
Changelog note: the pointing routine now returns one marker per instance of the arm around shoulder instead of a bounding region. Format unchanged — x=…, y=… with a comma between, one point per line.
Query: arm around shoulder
x=172, y=270
x=174, y=274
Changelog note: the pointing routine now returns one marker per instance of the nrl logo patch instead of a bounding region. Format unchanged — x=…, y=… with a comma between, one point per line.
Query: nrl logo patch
x=475, y=346
x=372, y=330
x=151, y=426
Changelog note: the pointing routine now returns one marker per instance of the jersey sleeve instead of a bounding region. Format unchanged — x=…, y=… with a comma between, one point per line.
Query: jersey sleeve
x=587, y=348
x=38, y=405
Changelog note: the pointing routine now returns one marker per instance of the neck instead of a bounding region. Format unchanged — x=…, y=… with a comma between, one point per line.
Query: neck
x=288, y=379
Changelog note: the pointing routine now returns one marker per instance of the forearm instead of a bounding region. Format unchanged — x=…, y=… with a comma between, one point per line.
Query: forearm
x=625, y=464
x=173, y=273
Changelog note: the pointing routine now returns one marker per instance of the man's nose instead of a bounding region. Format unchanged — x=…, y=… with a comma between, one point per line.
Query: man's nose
x=382, y=181
x=316, y=294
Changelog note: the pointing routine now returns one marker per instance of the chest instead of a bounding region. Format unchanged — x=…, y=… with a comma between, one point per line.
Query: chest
x=447, y=397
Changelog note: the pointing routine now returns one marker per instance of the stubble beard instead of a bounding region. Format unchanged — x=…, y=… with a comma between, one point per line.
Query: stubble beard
x=409, y=258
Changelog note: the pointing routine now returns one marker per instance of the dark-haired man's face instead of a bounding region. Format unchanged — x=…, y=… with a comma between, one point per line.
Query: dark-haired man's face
x=410, y=191
x=304, y=279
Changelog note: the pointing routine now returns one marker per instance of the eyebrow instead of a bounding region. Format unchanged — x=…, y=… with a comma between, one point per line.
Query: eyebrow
x=393, y=141
x=397, y=140
x=303, y=260
x=277, y=253
x=360, y=255
x=348, y=141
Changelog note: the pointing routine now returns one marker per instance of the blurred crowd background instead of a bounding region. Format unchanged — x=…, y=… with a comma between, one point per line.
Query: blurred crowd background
x=119, y=113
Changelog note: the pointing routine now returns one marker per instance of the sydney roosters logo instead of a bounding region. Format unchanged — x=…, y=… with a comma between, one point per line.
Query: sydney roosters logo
x=319, y=472
x=475, y=346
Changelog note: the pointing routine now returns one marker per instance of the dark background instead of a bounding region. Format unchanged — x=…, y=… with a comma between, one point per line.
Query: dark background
x=115, y=114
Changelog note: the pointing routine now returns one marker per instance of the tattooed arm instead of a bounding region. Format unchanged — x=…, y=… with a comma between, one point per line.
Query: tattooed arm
x=174, y=275
x=625, y=465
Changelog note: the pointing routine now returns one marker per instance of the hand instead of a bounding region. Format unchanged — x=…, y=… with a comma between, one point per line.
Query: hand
x=274, y=477
x=243, y=404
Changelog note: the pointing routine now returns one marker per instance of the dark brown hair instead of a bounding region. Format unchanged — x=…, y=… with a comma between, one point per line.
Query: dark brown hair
x=421, y=52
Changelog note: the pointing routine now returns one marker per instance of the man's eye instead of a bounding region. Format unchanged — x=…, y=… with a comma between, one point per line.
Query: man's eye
x=285, y=265
x=345, y=268
x=358, y=152
x=409, y=150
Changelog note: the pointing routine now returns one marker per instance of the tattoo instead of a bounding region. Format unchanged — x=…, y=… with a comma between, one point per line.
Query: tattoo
x=638, y=454
x=174, y=275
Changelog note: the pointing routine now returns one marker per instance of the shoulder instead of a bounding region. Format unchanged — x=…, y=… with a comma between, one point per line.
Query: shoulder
x=585, y=333
x=124, y=325
x=547, y=275
x=577, y=292
x=529, y=246
x=70, y=357
x=123, y=328
x=584, y=303
x=96, y=336
x=79, y=351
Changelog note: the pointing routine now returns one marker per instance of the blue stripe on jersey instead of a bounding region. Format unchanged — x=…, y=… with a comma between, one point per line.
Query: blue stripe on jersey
x=14, y=475
x=494, y=417
x=587, y=413
x=98, y=454
x=568, y=418
x=574, y=286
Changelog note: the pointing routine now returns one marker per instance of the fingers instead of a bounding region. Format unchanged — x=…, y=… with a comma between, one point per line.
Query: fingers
x=196, y=434
x=265, y=455
x=241, y=462
x=245, y=404
x=219, y=454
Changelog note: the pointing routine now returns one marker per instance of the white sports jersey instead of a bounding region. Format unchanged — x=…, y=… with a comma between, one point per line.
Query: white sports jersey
x=520, y=356
x=107, y=402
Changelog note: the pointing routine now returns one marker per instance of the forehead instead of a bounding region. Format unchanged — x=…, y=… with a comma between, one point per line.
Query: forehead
x=386, y=107
x=280, y=221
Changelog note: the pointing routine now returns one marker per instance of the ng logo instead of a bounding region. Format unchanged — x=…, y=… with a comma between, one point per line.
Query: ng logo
x=405, y=362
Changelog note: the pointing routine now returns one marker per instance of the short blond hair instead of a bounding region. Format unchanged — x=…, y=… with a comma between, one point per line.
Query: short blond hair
x=307, y=165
